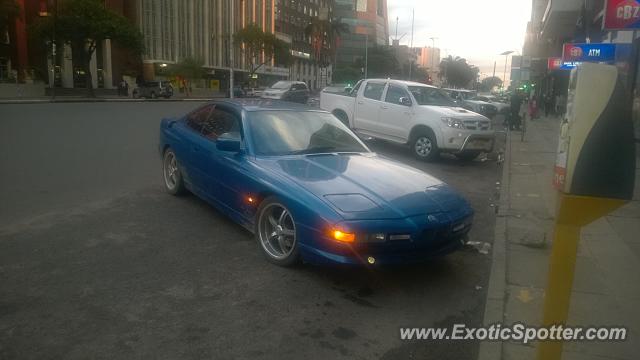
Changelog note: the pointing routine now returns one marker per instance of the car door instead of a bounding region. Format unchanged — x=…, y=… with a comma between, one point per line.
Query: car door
x=368, y=107
x=227, y=170
x=396, y=117
x=192, y=149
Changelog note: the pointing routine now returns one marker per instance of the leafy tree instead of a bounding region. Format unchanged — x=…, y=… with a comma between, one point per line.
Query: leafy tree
x=83, y=24
x=457, y=72
x=260, y=47
x=190, y=69
x=381, y=63
x=9, y=10
x=487, y=84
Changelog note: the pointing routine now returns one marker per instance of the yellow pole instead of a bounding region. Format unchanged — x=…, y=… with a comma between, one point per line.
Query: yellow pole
x=573, y=213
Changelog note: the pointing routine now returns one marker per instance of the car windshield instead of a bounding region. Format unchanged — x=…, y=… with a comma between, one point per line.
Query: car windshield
x=295, y=132
x=431, y=96
x=281, y=85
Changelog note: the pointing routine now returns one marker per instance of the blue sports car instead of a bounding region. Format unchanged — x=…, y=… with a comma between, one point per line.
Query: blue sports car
x=307, y=187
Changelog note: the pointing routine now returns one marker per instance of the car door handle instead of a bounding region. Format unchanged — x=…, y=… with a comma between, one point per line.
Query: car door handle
x=384, y=107
x=360, y=102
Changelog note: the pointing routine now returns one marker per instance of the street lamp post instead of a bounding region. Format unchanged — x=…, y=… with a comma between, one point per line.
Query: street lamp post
x=231, y=3
x=506, y=57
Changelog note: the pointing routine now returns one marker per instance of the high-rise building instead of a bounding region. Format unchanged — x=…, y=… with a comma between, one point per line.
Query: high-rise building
x=310, y=53
x=175, y=29
x=368, y=21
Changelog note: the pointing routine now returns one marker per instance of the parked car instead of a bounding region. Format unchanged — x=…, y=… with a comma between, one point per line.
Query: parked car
x=153, y=89
x=307, y=187
x=468, y=99
x=502, y=106
x=422, y=116
x=294, y=91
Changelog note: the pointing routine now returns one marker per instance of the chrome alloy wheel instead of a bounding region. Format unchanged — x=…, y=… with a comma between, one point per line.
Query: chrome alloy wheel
x=423, y=146
x=277, y=231
x=171, y=172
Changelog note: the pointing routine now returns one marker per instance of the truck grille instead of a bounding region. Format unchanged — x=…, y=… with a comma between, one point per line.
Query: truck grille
x=477, y=125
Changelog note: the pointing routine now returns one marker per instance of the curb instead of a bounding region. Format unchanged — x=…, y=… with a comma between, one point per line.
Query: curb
x=496, y=292
x=100, y=100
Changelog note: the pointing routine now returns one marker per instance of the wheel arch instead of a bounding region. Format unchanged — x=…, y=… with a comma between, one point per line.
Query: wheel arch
x=421, y=129
x=342, y=116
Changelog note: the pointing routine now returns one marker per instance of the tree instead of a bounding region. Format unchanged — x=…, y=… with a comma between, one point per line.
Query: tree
x=9, y=10
x=190, y=69
x=487, y=84
x=381, y=63
x=457, y=72
x=260, y=47
x=83, y=24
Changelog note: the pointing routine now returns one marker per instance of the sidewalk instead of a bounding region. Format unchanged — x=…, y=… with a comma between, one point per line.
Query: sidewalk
x=606, y=288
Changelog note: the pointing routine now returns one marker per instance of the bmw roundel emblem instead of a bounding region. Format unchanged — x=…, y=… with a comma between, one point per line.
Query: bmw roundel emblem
x=432, y=218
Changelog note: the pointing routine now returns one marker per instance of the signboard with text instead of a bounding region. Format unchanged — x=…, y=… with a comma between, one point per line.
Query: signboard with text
x=602, y=52
x=556, y=63
x=622, y=14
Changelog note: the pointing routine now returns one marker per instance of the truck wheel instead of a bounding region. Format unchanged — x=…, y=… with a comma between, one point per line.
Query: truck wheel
x=342, y=117
x=425, y=147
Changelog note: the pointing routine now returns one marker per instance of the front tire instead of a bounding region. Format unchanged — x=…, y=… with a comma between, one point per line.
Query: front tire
x=424, y=147
x=173, y=181
x=275, y=231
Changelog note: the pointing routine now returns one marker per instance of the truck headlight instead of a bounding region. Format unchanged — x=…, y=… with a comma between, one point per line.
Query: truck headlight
x=453, y=122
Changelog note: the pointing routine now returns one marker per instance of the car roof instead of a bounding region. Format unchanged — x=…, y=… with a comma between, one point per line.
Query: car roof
x=264, y=104
x=403, y=82
x=460, y=90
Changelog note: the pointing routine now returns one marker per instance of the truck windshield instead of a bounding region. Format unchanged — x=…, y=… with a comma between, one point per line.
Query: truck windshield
x=286, y=132
x=431, y=96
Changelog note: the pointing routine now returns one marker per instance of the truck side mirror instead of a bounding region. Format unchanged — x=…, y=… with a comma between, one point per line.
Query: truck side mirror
x=405, y=101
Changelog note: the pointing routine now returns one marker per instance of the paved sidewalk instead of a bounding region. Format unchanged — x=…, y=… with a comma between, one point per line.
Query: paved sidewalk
x=606, y=288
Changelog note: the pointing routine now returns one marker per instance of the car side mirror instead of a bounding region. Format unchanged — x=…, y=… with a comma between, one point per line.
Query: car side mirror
x=348, y=90
x=229, y=142
x=405, y=101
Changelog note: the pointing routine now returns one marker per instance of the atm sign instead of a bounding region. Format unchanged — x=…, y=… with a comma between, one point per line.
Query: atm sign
x=622, y=14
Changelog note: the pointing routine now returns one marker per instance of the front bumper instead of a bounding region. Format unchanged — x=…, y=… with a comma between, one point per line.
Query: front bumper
x=413, y=244
x=455, y=140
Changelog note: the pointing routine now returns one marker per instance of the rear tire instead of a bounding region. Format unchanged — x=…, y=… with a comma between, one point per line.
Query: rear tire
x=342, y=117
x=173, y=181
x=425, y=147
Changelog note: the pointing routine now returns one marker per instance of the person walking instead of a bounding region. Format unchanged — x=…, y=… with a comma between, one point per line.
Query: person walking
x=533, y=108
x=548, y=105
x=514, y=117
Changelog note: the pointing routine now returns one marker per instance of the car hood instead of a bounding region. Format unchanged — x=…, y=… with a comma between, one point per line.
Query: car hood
x=276, y=91
x=456, y=112
x=360, y=187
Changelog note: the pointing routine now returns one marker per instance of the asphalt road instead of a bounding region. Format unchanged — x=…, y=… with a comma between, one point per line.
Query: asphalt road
x=96, y=261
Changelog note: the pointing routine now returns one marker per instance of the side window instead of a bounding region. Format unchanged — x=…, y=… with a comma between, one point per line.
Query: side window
x=196, y=119
x=355, y=89
x=394, y=94
x=373, y=91
x=220, y=122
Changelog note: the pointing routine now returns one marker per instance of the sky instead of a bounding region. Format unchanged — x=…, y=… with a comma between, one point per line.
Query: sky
x=477, y=30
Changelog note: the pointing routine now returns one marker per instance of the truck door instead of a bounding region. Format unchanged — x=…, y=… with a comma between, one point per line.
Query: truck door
x=368, y=104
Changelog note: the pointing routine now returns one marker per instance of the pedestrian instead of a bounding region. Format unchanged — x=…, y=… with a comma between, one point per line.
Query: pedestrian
x=549, y=105
x=125, y=88
x=514, y=117
x=533, y=107
x=561, y=105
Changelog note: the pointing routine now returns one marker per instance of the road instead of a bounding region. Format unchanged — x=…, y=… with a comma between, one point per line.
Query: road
x=97, y=261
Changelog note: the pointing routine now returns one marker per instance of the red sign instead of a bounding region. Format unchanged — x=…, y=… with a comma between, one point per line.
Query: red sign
x=622, y=14
x=554, y=63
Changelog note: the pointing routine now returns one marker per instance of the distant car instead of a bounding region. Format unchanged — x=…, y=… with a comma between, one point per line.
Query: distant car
x=294, y=91
x=502, y=106
x=153, y=89
x=466, y=99
x=307, y=187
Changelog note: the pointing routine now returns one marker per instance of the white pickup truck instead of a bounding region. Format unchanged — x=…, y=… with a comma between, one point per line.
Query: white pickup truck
x=422, y=116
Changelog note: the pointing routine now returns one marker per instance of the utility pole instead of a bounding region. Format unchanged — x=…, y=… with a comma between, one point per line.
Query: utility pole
x=413, y=16
x=366, y=55
x=433, y=54
x=231, y=4
x=494, y=68
x=397, y=19
x=53, y=49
